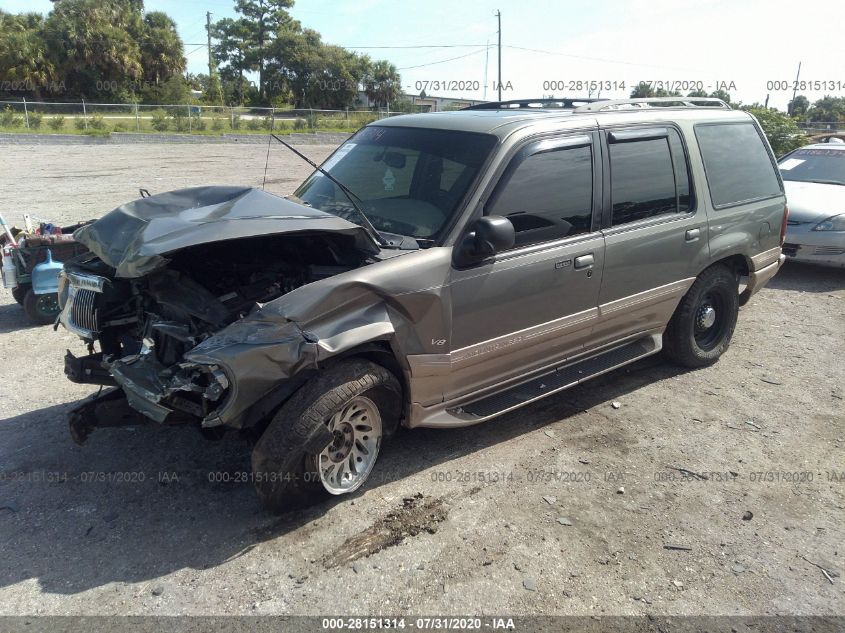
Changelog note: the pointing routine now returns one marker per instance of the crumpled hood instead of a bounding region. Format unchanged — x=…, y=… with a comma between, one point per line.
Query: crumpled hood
x=135, y=237
x=813, y=201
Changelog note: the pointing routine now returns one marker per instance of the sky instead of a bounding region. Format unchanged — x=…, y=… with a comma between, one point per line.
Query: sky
x=749, y=47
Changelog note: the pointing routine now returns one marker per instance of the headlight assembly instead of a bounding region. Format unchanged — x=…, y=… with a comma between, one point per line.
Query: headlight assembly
x=833, y=223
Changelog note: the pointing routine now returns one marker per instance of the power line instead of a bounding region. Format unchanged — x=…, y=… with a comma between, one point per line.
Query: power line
x=420, y=46
x=443, y=61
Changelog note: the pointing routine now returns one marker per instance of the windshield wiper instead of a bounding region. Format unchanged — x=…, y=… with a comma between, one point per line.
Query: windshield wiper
x=368, y=226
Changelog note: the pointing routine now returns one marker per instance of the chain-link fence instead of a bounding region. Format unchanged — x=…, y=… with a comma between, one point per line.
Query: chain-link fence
x=820, y=127
x=104, y=118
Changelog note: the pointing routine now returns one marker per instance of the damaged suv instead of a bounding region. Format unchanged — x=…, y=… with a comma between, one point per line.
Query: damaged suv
x=437, y=270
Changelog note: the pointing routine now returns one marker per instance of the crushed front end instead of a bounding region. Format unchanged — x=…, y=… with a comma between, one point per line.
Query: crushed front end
x=181, y=334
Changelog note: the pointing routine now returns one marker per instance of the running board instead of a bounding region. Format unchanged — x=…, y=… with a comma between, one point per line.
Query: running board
x=556, y=380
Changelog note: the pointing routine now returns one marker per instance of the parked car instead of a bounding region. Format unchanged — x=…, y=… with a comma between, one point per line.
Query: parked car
x=814, y=178
x=440, y=270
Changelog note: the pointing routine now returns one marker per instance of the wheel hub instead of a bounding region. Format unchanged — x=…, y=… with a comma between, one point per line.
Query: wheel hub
x=706, y=317
x=341, y=444
x=356, y=437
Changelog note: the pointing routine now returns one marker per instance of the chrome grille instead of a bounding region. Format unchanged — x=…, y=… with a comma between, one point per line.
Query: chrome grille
x=79, y=313
x=83, y=311
x=829, y=250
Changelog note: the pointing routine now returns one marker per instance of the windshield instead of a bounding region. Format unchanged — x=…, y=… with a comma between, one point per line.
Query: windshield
x=409, y=180
x=815, y=165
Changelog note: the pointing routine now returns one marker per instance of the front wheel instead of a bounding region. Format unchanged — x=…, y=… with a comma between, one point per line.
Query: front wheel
x=326, y=439
x=704, y=322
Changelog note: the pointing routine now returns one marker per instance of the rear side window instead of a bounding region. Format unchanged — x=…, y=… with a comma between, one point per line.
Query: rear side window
x=738, y=166
x=648, y=178
x=548, y=196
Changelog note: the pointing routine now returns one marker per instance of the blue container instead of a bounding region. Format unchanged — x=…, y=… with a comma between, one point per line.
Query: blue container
x=45, y=276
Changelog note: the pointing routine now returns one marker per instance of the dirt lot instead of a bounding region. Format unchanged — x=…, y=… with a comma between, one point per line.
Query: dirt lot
x=522, y=515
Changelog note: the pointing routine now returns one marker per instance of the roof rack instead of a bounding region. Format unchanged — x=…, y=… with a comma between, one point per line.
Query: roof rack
x=566, y=104
x=662, y=102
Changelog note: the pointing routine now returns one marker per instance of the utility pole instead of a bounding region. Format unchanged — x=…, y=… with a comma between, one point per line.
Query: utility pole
x=486, y=60
x=499, y=17
x=794, y=91
x=215, y=89
x=208, y=32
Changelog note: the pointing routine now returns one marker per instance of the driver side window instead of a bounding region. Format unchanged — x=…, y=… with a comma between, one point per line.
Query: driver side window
x=547, y=196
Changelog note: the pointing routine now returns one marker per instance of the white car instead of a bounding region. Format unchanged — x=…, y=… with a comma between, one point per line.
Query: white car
x=814, y=179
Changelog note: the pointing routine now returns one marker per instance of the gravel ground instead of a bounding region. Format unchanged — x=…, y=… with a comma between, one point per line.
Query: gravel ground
x=522, y=515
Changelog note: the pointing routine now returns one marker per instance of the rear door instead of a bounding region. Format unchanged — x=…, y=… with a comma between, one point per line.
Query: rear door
x=655, y=233
x=535, y=303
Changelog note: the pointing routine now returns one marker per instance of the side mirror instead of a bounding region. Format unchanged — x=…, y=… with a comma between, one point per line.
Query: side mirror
x=490, y=234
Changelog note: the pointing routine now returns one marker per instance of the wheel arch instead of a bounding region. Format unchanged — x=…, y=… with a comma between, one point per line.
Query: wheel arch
x=739, y=263
x=380, y=352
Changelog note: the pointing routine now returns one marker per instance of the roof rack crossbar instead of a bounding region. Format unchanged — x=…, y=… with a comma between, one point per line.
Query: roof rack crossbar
x=678, y=102
x=546, y=102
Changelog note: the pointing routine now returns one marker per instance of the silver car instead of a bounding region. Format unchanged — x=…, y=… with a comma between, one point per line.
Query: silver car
x=814, y=178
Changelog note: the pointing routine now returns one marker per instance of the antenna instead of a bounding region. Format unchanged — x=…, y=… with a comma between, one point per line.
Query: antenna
x=486, y=60
x=266, y=162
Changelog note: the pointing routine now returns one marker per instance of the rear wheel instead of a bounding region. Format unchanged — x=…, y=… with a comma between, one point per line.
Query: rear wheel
x=41, y=309
x=326, y=439
x=19, y=292
x=703, y=324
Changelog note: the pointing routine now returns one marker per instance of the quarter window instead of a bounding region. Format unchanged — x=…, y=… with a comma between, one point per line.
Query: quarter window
x=648, y=178
x=548, y=195
x=738, y=166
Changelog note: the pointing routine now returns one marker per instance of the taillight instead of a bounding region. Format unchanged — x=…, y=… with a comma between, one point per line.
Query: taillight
x=783, y=224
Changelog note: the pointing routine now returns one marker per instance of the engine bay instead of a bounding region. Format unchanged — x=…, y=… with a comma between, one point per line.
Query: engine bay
x=145, y=325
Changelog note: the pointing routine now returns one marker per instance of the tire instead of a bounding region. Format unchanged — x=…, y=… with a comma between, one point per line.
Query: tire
x=701, y=329
x=292, y=457
x=41, y=309
x=19, y=292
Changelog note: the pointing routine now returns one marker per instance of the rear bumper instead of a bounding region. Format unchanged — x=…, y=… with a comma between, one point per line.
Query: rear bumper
x=759, y=278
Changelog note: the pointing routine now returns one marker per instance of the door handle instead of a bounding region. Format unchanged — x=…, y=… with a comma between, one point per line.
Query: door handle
x=693, y=234
x=584, y=261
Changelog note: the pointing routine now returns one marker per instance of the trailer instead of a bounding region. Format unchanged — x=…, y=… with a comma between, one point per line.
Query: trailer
x=23, y=253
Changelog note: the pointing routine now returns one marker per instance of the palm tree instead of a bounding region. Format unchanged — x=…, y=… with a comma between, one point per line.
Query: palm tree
x=162, y=52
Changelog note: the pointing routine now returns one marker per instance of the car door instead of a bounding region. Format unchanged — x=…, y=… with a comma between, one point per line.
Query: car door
x=535, y=303
x=655, y=234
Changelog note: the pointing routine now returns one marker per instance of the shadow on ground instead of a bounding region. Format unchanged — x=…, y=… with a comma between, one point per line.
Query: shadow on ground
x=134, y=504
x=13, y=319
x=808, y=278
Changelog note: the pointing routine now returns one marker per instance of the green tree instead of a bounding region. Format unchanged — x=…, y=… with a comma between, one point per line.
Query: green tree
x=264, y=19
x=246, y=43
x=828, y=109
x=645, y=90
x=95, y=45
x=99, y=49
x=162, y=52
x=799, y=106
x=781, y=130
x=721, y=94
x=382, y=83
x=233, y=51
x=313, y=74
x=25, y=62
